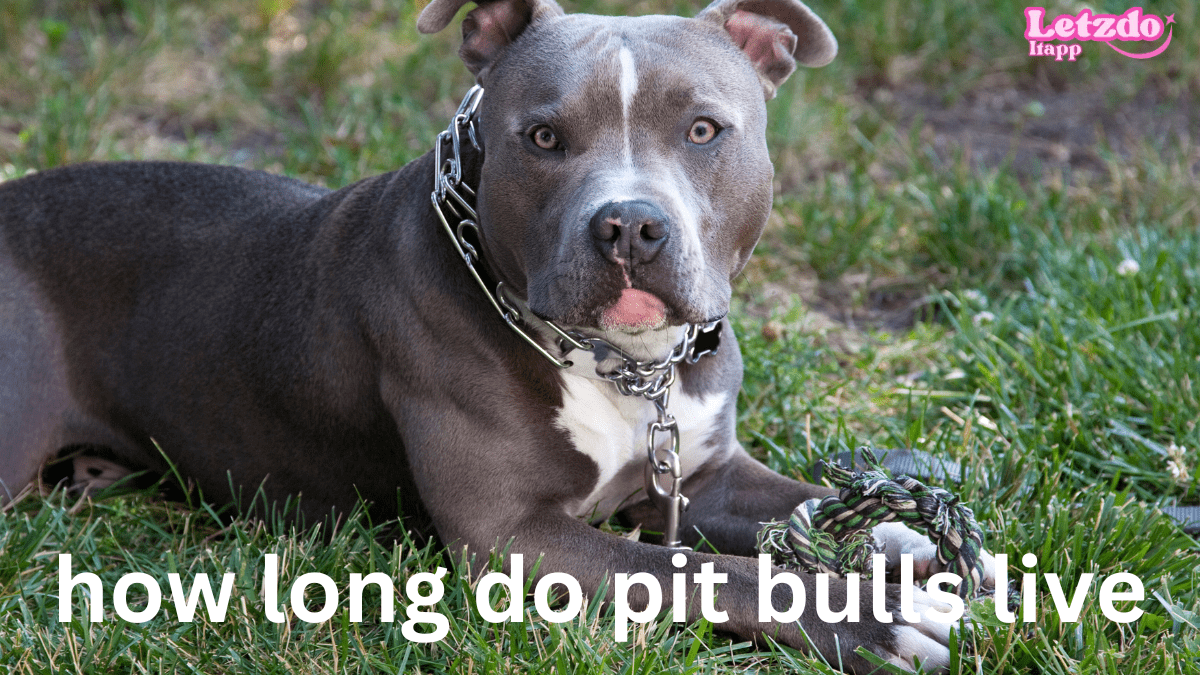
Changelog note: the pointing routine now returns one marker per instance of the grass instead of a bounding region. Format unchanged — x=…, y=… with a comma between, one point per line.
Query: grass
x=1064, y=380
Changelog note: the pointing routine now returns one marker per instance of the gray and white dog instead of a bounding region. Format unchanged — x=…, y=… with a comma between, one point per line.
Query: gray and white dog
x=264, y=332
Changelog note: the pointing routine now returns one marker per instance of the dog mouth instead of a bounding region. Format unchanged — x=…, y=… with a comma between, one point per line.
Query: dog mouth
x=638, y=322
x=616, y=307
x=635, y=311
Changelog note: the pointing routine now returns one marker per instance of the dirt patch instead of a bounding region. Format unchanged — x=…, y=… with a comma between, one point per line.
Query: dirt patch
x=842, y=313
x=1037, y=127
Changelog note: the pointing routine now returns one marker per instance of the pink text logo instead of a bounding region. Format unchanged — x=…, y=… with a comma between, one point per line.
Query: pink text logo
x=1084, y=26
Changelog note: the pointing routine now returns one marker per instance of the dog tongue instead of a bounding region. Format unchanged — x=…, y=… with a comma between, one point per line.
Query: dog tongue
x=635, y=310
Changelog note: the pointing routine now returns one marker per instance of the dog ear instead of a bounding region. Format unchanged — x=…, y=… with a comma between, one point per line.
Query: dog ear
x=775, y=35
x=489, y=28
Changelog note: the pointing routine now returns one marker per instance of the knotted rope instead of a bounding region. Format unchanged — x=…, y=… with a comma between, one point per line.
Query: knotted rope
x=833, y=535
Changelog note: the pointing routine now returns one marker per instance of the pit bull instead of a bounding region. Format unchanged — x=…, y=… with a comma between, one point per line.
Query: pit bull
x=510, y=339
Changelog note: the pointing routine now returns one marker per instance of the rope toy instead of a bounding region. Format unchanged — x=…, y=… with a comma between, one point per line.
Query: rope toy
x=833, y=535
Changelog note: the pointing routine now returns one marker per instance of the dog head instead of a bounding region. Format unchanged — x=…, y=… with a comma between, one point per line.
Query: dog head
x=626, y=178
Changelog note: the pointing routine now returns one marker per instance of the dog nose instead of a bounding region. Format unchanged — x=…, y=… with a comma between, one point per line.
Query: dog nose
x=631, y=231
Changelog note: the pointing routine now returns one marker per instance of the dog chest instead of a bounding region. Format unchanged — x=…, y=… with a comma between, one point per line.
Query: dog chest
x=611, y=429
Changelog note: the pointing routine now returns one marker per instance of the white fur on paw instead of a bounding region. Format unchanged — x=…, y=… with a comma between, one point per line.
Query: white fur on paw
x=925, y=605
x=989, y=569
x=912, y=644
x=895, y=539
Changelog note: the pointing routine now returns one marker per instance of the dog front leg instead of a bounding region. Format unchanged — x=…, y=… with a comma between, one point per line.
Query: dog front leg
x=593, y=558
x=730, y=502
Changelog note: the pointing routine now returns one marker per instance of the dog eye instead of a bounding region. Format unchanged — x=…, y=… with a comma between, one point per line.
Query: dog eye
x=703, y=131
x=545, y=139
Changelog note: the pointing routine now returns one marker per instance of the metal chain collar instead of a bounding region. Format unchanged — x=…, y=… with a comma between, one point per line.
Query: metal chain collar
x=650, y=380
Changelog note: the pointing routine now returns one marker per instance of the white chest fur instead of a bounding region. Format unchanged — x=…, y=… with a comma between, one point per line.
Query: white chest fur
x=611, y=429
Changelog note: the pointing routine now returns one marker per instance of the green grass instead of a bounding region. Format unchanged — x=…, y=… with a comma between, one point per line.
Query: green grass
x=1067, y=385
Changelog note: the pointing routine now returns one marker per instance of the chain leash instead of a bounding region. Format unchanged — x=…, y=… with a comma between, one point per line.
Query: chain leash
x=650, y=380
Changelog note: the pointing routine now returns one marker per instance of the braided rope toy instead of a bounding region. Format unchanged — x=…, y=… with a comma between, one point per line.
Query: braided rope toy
x=833, y=535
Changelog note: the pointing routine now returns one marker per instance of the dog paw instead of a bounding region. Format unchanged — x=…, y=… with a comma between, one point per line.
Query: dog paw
x=914, y=634
x=895, y=539
x=925, y=643
x=913, y=647
x=915, y=640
